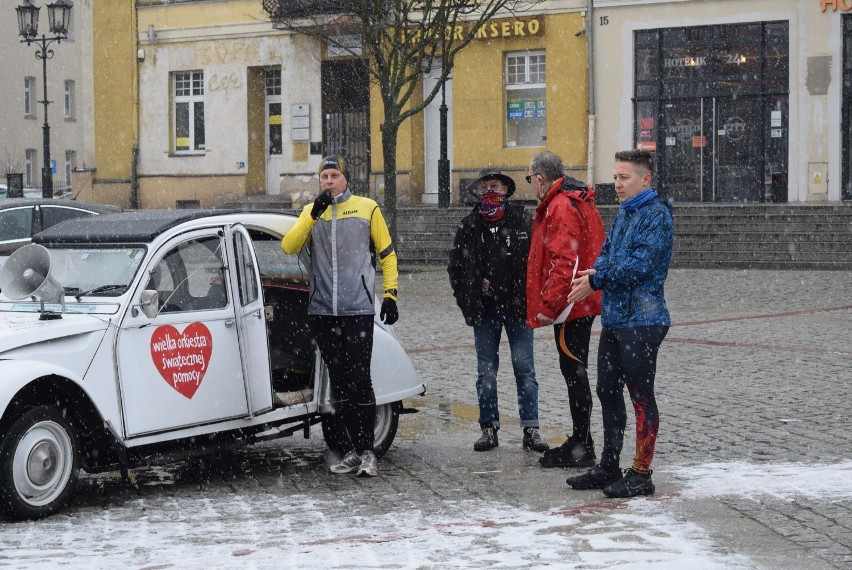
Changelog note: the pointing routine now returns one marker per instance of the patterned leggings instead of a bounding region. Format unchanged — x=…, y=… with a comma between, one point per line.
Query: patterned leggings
x=629, y=357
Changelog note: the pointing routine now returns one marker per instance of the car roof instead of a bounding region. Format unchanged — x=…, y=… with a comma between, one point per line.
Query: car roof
x=89, y=206
x=132, y=226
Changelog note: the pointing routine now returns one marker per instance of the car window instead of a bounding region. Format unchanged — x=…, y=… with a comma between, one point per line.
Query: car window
x=16, y=223
x=52, y=215
x=190, y=277
x=246, y=273
x=274, y=263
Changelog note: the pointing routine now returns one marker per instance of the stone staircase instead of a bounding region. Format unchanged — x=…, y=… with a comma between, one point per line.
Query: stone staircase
x=732, y=236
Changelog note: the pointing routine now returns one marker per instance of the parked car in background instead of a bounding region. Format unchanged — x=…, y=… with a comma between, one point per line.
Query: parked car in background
x=28, y=192
x=20, y=218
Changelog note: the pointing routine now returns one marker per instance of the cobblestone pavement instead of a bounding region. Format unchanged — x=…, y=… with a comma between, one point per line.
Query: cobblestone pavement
x=754, y=372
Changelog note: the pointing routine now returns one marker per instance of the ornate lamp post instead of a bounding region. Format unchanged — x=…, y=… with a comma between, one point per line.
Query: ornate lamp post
x=443, y=161
x=58, y=16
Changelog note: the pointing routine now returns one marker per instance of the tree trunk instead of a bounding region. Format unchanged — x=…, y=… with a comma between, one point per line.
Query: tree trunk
x=389, y=133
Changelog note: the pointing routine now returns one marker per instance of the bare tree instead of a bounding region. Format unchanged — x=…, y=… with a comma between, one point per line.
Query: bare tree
x=12, y=161
x=401, y=39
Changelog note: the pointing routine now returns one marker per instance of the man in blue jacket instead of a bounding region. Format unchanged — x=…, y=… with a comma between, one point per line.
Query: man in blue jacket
x=631, y=271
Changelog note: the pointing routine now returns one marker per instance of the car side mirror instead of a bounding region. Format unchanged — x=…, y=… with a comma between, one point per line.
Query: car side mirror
x=149, y=302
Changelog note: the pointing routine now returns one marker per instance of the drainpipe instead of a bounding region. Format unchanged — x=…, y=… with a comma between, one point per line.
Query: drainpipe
x=590, y=159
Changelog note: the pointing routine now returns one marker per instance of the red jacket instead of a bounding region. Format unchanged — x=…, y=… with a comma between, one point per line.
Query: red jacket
x=566, y=228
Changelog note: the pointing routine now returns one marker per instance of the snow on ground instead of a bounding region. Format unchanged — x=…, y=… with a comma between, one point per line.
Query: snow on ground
x=188, y=531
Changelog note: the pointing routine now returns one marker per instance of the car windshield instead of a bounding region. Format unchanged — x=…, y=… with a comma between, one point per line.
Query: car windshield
x=102, y=272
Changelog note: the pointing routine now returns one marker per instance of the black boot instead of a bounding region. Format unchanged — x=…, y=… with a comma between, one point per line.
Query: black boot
x=573, y=453
x=595, y=478
x=488, y=439
x=631, y=485
x=533, y=441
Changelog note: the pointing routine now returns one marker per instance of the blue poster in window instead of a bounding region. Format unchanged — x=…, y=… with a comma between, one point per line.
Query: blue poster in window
x=529, y=109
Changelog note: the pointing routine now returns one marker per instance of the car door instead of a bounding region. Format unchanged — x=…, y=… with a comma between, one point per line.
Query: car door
x=251, y=319
x=183, y=367
x=16, y=228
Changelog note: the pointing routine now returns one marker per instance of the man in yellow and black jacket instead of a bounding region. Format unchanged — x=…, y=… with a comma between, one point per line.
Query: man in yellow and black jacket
x=344, y=234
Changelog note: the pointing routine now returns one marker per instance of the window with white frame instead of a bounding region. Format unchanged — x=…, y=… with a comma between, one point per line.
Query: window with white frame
x=69, y=100
x=188, y=111
x=70, y=165
x=29, y=167
x=526, y=113
x=29, y=96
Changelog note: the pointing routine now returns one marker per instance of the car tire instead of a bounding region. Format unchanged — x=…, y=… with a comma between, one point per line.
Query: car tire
x=39, y=464
x=387, y=422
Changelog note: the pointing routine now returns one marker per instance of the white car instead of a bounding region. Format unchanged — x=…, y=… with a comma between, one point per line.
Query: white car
x=139, y=335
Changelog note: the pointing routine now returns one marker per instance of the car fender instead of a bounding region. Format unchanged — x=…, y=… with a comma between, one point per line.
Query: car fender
x=16, y=374
x=393, y=374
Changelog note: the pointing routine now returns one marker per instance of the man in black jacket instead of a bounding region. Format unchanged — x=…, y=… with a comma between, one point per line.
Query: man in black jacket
x=487, y=271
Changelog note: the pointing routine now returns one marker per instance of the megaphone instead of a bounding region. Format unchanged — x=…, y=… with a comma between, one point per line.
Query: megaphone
x=27, y=274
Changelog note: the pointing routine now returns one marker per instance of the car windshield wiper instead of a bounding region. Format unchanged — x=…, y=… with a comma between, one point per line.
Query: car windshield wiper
x=101, y=289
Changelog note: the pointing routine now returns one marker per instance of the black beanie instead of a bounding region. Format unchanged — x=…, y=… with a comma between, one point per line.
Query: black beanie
x=337, y=162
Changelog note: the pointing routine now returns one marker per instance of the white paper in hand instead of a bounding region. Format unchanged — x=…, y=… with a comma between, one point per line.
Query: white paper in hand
x=564, y=314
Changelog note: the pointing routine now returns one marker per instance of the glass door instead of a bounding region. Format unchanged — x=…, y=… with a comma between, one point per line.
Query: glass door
x=738, y=158
x=684, y=156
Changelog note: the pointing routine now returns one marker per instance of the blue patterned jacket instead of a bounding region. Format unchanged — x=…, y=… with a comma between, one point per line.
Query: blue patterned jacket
x=633, y=266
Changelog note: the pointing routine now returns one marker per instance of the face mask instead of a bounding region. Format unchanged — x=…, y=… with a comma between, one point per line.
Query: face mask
x=492, y=206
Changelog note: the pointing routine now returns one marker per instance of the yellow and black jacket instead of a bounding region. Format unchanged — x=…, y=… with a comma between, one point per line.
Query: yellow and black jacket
x=343, y=243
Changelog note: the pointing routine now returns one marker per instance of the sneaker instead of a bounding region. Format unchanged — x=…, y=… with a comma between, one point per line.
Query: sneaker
x=369, y=465
x=572, y=453
x=595, y=478
x=533, y=441
x=631, y=485
x=487, y=441
x=351, y=461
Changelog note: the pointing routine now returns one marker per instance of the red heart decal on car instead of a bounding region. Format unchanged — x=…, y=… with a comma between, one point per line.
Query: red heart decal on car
x=182, y=358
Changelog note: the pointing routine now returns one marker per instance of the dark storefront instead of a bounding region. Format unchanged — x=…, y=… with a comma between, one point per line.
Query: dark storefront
x=847, y=108
x=712, y=102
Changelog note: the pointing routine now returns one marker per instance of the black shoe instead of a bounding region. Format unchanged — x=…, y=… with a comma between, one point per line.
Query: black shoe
x=533, y=441
x=595, y=478
x=487, y=441
x=572, y=453
x=631, y=485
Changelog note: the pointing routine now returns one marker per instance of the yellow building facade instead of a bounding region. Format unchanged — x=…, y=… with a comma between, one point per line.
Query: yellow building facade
x=208, y=103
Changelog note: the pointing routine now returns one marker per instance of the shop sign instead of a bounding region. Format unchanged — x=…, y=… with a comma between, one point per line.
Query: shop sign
x=515, y=28
x=842, y=5
x=529, y=109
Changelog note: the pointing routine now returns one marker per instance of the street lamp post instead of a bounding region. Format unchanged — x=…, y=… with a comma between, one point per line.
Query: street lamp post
x=59, y=16
x=443, y=161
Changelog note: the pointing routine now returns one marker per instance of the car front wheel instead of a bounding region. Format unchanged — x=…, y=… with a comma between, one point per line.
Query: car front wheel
x=387, y=421
x=38, y=464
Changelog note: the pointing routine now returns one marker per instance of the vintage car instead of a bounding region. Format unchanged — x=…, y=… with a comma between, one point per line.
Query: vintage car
x=147, y=336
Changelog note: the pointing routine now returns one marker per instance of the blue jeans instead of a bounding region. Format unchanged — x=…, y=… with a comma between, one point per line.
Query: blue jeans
x=486, y=338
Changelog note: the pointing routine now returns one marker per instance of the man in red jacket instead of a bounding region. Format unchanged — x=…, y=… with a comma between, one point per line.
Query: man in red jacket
x=567, y=235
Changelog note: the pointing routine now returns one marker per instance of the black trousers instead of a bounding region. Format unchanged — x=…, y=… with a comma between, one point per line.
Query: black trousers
x=628, y=357
x=346, y=346
x=577, y=334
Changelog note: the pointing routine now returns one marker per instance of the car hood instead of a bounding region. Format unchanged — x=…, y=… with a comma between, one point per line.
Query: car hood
x=20, y=330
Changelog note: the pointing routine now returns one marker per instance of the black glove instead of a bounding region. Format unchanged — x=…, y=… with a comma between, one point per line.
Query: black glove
x=389, y=313
x=473, y=321
x=323, y=201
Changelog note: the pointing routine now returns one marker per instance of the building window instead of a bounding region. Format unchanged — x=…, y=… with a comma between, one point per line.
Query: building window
x=189, y=112
x=273, y=81
x=70, y=165
x=29, y=165
x=526, y=113
x=69, y=100
x=29, y=96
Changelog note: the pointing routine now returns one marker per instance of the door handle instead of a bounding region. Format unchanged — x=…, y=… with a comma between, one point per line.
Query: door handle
x=257, y=314
x=229, y=322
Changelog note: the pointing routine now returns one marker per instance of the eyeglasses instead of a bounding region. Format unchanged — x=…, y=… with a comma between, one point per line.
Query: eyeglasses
x=529, y=177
